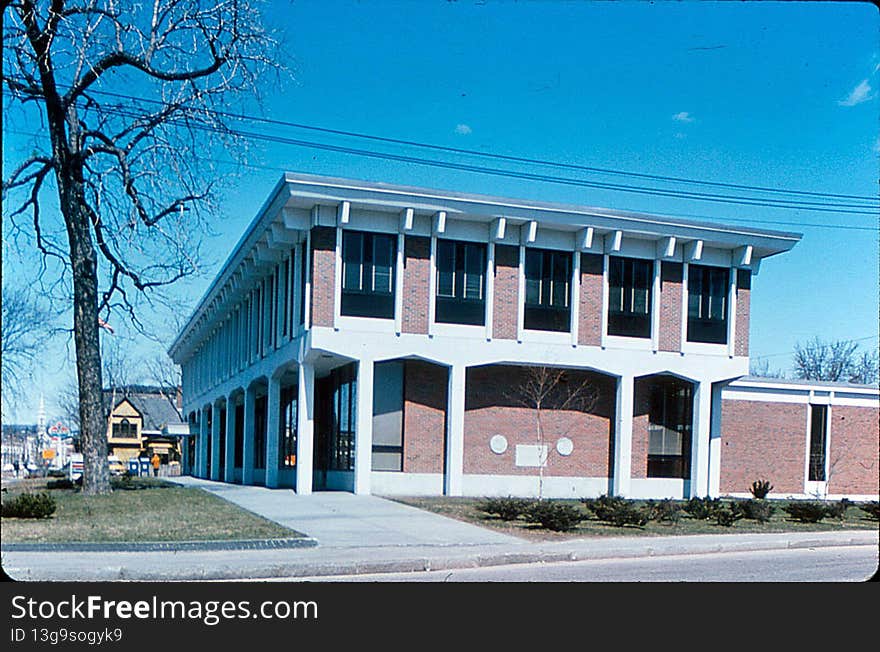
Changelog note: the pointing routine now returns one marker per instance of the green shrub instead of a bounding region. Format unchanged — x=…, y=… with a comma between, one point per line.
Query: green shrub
x=63, y=483
x=559, y=517
x=28, y=505
x=664, y=511
x=728, y=514
x=837, y=509
x=507, y=509
x=760, y=488
x=621, y=513
x=756, y=510
x=702, y=508
x=872, y=509
x=603, y=506
x=806, y=511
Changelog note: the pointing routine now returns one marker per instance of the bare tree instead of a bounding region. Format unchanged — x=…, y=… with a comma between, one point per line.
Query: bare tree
x=550, y=388
x=835, y=361
x=164, y=374
x=763, y=369
x=26, y=322
x=129, y=174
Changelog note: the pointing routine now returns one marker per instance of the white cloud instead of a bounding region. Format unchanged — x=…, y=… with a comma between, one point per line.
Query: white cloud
x=861, y=93
x=462, y=129
x=683, y=116
x=876, y=146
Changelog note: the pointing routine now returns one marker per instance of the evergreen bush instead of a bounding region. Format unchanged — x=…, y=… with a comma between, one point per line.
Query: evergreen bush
x=872, y=509
x=756, y=510
x=559, y=517
x=806, y=511
x=28, y=505
x=507, y=509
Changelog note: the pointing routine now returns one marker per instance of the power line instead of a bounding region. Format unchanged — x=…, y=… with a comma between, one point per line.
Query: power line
x=747, y=201
x=519, y=159
x=776, y=355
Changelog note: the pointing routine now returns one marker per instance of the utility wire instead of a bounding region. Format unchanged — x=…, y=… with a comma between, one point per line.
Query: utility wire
x=517, y=159
x=776, y=355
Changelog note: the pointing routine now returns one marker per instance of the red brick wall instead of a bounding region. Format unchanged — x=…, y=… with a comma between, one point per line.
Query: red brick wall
x=854, y=451
x=506, y=300
x=761, y=440
x=670, y=306
x=416, y=284
x=743, y=292
x=323, y=275
x=641, y=417
x=590, y=308
x=493, y=407
x=424, y=417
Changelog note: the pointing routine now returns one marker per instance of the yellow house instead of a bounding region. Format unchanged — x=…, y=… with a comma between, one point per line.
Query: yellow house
x=139, y=420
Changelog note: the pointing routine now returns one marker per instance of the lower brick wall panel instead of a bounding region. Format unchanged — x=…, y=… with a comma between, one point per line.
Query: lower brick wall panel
x=854, y=449
x=494, y=407
x=763, y=440
x=424, y=416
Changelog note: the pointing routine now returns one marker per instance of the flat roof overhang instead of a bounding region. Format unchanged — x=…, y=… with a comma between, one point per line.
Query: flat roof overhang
x=304, y=191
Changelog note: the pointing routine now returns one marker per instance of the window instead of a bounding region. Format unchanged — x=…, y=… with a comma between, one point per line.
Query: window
x=344, y=418
x=707, y=304
x=669, y=429
x=239, y=436
x=287, y=423
x=260, y=426
x=303, y=271
x=818, y=438
x=388, y=416
x=629, y=296
x=368, y=274
x=548, y=279
x=125, y=429
x=461, y=281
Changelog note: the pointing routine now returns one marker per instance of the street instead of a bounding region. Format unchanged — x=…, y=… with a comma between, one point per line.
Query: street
x=835, y=564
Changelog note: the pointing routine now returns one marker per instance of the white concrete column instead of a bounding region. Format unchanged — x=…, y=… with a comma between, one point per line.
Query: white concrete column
x=700, y=439
x=273, y=418
x=575, y=298
x=622, y=471
x=247, y=458
x=363, y=440
x=305, y=428
x=215, y=442
x=715, y=443
x=489, y=294
x=229, y=468
x=202, y=448
x=455, y=430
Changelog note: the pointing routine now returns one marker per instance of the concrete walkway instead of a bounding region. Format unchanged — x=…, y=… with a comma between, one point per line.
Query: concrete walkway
x=366, y=534
x=339, y=519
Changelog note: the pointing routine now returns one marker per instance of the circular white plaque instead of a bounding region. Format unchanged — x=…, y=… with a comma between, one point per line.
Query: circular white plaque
x=564, y=446
x=498, y=444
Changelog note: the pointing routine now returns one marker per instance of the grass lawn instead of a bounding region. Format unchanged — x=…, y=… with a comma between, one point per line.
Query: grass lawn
x=468, y=509
x=155, y=511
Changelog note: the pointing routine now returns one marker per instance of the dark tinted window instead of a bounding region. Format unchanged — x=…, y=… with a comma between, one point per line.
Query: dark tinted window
x=461, y=281
x=548, y=288
x=368, y=274
x=629, y=296
x=707, y=304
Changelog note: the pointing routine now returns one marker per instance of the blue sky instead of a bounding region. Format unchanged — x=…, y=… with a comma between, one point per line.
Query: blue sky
x=758, y=93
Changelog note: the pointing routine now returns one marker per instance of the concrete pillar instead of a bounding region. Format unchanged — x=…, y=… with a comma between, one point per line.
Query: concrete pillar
x=455, y=430
x=215, y=442
x=715, y=443
x=623, y=429
x=273, y=419
x=363, y=440
x=247, y=458
x=305, y=428
x=229, y=469
x=700, y=439
x=203, y=444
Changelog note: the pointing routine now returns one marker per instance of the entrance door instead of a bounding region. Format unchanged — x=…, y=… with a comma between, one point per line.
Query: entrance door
x=323, y=427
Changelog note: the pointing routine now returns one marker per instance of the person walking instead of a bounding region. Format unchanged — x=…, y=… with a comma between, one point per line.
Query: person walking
x=155, y=461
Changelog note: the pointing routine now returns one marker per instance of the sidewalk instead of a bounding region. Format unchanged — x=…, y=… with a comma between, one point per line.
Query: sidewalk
x=366, y=534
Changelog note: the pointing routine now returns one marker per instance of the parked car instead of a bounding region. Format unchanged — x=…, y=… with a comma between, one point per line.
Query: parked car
x=116, y=465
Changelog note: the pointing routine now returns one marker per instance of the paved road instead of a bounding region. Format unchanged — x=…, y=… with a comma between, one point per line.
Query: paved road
x=841, y=564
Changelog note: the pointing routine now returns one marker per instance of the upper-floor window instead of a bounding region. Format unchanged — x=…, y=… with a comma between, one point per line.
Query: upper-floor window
x=461, y=283
x=707, y=304
x=368, y=274
x=548, y=290
x=629, y=296
x=125, y=429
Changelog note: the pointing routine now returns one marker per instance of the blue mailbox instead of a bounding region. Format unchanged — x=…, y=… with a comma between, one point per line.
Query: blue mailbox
x=134, y=467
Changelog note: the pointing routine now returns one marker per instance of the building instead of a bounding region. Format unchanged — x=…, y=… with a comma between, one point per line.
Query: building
x=143, y=420
x=382, y=339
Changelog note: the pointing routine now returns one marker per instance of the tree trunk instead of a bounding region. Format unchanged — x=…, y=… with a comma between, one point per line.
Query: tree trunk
x=84, y=265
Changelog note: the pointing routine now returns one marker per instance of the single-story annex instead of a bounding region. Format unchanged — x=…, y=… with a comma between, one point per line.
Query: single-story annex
x=387, y=339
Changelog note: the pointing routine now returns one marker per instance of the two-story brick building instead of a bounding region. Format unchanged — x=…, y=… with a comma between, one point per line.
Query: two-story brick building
x=396, y=340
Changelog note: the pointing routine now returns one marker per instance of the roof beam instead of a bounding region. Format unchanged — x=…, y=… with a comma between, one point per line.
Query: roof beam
x=407, y=217
x=693, y=251
x=742, y=256
x=584, y=238
x=613, y=241
x=666, y=247
x=529, y=232
x=497, y=228
x=343, y=213
x=439, y=225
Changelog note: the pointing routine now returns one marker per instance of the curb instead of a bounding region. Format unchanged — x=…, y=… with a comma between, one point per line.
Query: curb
x=163, y=546
x=439, y=562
